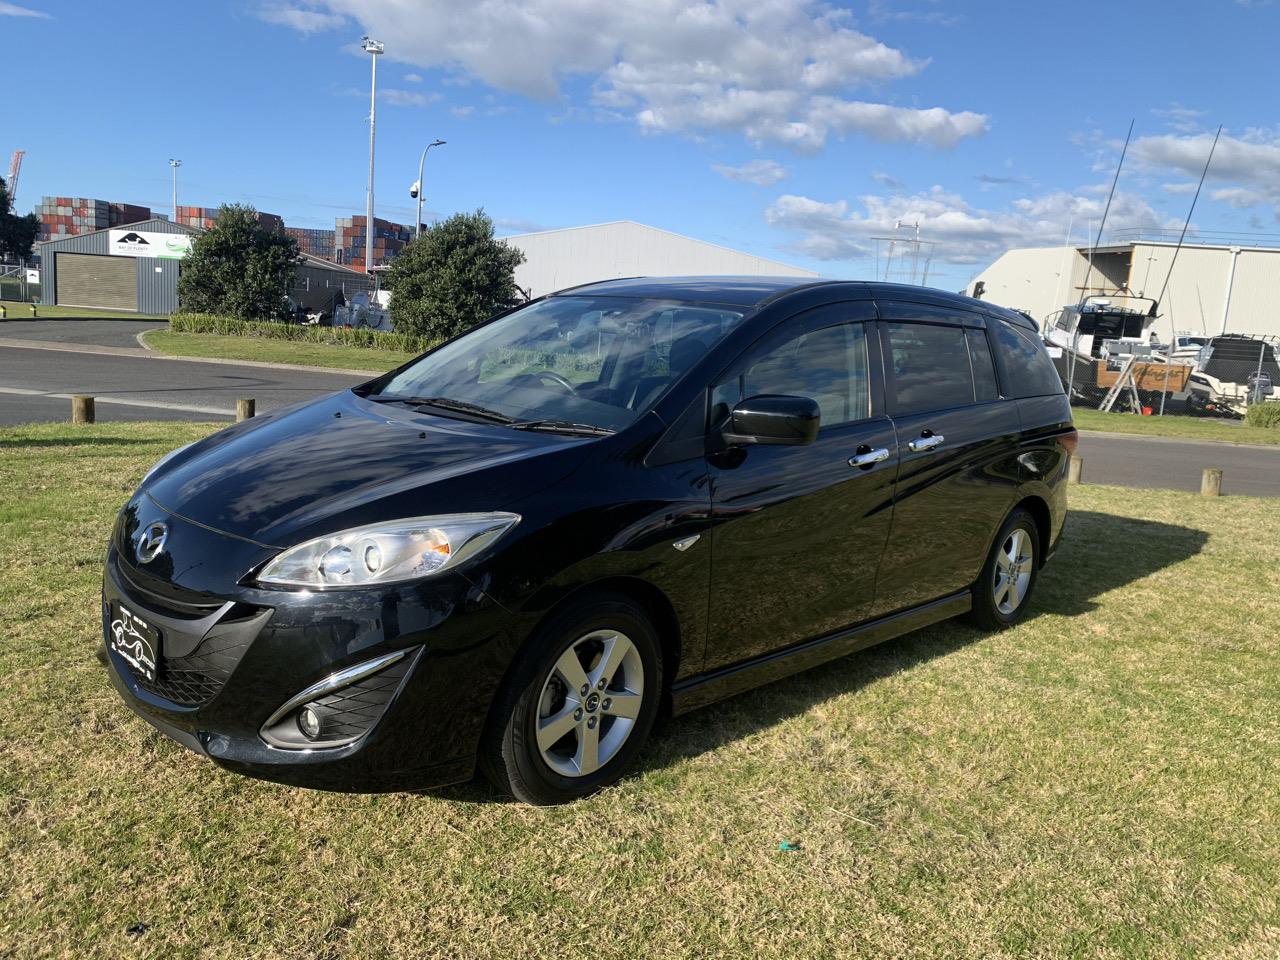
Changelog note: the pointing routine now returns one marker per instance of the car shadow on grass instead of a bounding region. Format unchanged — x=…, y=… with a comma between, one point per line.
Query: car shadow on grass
x=1099, y=552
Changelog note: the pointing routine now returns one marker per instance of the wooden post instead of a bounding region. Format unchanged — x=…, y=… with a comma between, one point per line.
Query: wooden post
x=1074, y=469
x=245, y=408
x=82, y=408
x=1211, y=482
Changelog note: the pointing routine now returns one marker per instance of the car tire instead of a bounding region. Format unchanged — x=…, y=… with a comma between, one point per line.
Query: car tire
x=1000, y=599
x=525, y=752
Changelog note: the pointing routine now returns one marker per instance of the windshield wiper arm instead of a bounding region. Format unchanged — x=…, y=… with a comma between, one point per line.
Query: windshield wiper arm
x=448, y=403
x=564, y=426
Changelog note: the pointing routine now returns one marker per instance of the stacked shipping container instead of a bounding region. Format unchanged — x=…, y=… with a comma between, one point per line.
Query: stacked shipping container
x=318, y=243
x=388, y=240
x=202, y=218
x=72, y=216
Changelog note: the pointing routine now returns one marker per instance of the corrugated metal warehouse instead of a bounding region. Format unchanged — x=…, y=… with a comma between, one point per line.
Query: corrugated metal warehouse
x=555, y=259
x=1214, y=288
x=135, y=268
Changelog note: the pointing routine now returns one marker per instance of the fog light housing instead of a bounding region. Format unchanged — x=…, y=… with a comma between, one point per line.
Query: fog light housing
x=309, y=723
x=342, y=707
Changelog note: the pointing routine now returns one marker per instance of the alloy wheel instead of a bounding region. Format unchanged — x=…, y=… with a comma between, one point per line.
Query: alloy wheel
x=589, y=703
x=1012, y=571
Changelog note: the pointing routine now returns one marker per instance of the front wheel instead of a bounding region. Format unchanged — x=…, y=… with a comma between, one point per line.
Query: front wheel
x=578, y=704
x=1003, y=589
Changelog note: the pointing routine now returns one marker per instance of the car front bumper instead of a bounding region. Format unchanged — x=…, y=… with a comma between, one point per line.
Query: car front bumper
x=230, y=658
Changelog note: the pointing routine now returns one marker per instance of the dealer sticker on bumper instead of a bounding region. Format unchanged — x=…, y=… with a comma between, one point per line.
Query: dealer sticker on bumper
x=135, y=640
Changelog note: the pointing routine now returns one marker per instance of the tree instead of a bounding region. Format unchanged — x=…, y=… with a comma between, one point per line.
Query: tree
x=453, y=277
x=239, y=268
x=17, y=234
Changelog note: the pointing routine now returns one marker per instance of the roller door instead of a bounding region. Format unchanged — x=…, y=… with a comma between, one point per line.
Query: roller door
x=89, y=280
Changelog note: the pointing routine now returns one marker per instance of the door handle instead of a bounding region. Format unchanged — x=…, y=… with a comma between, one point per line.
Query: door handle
x=921, y=444
x=868, y=457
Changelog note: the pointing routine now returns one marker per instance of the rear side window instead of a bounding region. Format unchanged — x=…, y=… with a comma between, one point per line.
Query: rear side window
x=984, y=371
x=1026, y=364
x=929, y=367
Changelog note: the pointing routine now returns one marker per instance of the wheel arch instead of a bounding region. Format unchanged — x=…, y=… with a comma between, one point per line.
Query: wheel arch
x=1039, y=510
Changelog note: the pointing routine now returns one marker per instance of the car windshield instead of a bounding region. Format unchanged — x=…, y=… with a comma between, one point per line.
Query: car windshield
x=565, y=362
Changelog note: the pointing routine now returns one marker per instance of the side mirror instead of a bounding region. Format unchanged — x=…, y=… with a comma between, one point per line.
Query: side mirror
x=772, y=419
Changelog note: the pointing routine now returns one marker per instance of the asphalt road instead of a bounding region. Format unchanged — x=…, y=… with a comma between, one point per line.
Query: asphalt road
x=1178, y=464
x=103, y=332
x=35, y=385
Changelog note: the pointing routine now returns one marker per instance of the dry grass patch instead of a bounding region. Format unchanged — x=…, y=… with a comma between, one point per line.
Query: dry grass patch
x=1101, y=781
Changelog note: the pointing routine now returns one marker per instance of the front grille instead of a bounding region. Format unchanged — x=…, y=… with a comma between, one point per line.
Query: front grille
x=195, y=679
x=173, y=602
x=352, y=711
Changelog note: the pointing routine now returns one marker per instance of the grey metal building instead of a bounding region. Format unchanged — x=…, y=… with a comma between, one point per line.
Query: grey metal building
x=136, y=267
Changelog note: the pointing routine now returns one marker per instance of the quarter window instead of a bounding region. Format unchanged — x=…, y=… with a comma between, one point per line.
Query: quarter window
x=1026, y=364
x=929, y=367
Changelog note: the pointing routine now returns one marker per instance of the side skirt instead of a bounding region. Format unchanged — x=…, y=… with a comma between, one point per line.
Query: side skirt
x=695, y=692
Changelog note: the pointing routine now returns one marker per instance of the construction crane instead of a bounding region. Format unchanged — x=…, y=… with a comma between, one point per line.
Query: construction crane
x=15, y=165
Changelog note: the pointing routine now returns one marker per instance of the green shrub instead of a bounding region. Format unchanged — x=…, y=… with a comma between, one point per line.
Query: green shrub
x=302, y=333
x=1263, y=415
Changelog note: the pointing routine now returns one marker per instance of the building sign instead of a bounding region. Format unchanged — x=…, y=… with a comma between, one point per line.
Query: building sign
x=134, y=243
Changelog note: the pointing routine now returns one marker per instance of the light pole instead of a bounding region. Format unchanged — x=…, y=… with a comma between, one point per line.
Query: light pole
x=416, y=190
x=175, y=164
x=373, y=48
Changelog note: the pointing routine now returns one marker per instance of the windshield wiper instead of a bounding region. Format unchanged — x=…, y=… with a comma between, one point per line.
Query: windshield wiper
x=448, y=403
x=564, y=426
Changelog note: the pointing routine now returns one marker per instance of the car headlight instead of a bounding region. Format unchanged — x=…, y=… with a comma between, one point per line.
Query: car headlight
x=387, y=552
x=165, y=459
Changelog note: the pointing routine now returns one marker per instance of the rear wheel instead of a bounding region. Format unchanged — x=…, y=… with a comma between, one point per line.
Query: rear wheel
x=1003, y=589
x=578, y=704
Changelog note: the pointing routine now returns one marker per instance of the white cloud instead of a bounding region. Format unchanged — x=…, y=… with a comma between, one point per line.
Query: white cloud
x=778, y=71
x=839, y=230
x=1180, y=118
x=760, y=172
x=1246, y=169
x=13, y=10
x=407, y=98
x=303, y=18
x=464, y=111
x=413, y=78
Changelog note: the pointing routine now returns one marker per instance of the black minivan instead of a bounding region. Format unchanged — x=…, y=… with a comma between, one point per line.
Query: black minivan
x=629, y=497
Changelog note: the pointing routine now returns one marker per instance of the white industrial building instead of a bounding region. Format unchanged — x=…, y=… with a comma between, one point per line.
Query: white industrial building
x=1214, y=288
x=555, y=259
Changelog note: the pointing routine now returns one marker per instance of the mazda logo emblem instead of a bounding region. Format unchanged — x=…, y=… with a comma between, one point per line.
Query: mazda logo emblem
x=151, y=542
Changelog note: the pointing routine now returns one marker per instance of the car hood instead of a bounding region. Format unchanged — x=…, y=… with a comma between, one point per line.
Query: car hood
x=344, y=461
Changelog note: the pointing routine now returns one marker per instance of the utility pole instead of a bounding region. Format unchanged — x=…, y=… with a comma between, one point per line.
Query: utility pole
x=416, y=190
x=175, y=164
x=374, y=49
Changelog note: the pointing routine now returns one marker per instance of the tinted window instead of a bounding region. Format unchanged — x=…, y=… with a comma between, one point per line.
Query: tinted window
x=827, y=365
x=1027, y=367
x=984, y=371
x=928, y=367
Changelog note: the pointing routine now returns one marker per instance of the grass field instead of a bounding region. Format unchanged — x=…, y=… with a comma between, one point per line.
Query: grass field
x=22, y=311
x=1186, y=428
x=273, y=351
x=1102, y=781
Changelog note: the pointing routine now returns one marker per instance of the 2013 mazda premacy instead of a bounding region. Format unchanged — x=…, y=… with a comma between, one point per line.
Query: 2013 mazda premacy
x=634, y=496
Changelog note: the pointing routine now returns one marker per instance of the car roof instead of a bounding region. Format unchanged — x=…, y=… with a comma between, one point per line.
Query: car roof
x=756, y=291
x=739, y=291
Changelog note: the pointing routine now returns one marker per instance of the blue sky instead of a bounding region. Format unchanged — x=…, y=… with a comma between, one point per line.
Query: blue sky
x=793, y=129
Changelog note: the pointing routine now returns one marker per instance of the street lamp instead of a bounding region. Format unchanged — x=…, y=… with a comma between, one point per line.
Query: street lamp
x=374, y=49
x=416, y=190
x=175, y=164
